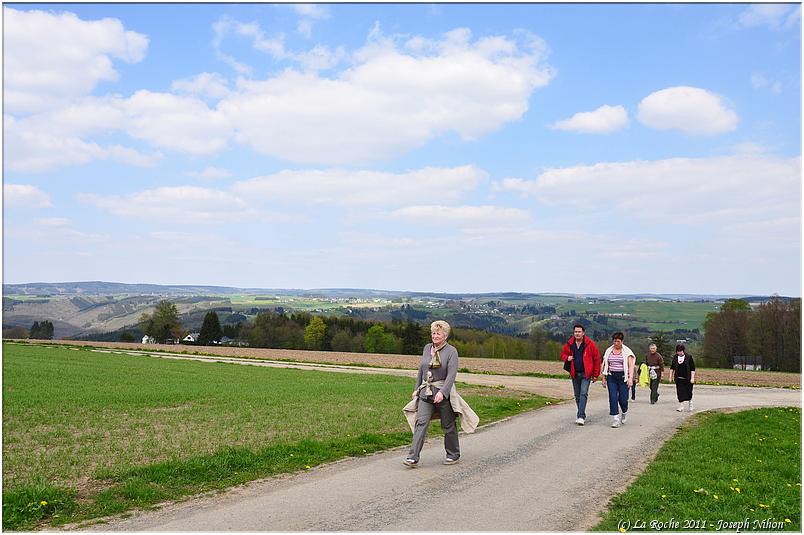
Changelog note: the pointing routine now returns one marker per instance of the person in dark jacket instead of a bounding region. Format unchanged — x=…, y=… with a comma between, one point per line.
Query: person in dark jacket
x=683, y=371
x=583, y=357
x=655, y=363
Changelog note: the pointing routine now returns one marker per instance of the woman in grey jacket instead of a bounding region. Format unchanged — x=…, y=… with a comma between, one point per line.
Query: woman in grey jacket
x=434, y=383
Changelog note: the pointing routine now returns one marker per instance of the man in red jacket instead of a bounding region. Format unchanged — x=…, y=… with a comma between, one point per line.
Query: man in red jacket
x=584, y=359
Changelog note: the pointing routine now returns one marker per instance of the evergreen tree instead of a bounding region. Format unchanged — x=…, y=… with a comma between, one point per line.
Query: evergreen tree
x=210, y=329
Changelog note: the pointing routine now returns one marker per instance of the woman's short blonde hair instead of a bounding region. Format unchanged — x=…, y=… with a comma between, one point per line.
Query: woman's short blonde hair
x=440, y=325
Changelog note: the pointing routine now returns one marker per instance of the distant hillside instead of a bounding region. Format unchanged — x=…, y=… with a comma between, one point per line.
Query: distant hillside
x=116, y=288
x=111, y=288
x=94, y=307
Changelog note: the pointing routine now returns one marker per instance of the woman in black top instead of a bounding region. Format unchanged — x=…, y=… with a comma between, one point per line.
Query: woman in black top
x=683, y=371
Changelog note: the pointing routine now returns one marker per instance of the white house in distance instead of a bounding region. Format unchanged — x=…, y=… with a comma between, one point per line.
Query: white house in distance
x=191, y=338
x=148, y=339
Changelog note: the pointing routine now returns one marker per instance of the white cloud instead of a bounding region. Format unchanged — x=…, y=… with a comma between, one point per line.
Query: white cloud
x=56, y=139
x=185, y=205
x=773, y=16
x=178, y=123
x=24, y=196
x=759, y=81
x=50, y=58
x=206, y=84
x=305, y=28
x=313, y=11
x=45, y=142
x=180, y=204
x=604, y=120
x=309, y=14
x=390, y=101
x=53, y=222
x=689, y=109
x=741, y=188
x=462, y=216
x=363, y=188
x=210, y=173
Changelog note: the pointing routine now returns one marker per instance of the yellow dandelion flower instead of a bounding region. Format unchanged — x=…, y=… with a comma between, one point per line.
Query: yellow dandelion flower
x=307, y=467
x=736, y=480
x=763, y=506
x=738, y=490
x=752, y=510
x=716, y=497
x=622, y=529
x=789, y=485
x=787, y=520
x=43, y=502
x=664, y=495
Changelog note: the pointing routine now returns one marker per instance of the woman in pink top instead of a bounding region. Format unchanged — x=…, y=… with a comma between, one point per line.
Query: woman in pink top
x=618, y=369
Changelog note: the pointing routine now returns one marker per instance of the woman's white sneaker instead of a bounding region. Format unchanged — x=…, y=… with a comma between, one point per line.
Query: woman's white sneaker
x=615, y=421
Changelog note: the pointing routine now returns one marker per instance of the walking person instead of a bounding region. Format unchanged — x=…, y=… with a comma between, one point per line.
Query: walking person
x=618, y=369
x=632, y=388
x=435, y=395
x=655, y=363
x=682, y=369
x=583, y=357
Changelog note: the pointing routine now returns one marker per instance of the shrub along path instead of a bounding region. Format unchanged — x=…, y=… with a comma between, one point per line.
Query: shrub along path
x=534, y=472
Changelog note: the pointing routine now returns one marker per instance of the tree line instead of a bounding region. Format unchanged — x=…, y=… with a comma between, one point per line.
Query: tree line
x=738, y=334
x=302, y=330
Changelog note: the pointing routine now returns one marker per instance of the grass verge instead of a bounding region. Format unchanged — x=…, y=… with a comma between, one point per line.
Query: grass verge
x=723, y=471
x=89, y=434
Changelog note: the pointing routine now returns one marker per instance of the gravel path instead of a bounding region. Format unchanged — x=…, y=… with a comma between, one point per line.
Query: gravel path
x=534, y=472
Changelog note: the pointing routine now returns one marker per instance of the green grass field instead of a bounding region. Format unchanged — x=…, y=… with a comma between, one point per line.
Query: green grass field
x=89, y=434
x=655, y=315
x=720, y=470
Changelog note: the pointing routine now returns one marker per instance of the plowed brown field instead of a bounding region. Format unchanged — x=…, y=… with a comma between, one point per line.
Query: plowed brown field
x=474, y=365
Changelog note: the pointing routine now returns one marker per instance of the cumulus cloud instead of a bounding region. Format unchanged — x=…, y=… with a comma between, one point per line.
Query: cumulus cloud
x=314, y=11
x=739, y=188
x=180, y=204
x=604, y=120
x=210, y=85
x=210, y=173
x=398, y=94
x=178, y=123
x=363, y=188
x=24, y=196
x=309, y=14
x=773, y=16
x=689, y=109
x=392, y=100
x=59, y=138
x=50, y=58
x=462, y=216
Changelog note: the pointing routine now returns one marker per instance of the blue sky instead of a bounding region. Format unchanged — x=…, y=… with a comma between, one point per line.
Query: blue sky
x=458, y=148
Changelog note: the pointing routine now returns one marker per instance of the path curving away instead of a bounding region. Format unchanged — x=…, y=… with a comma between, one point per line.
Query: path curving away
x=533, y=472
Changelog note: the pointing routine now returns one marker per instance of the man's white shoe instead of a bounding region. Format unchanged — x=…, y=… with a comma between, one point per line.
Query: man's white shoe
x=579, y=421
x=624, y=417
x=690, y=406
x=680, y=407
x=615, y=421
